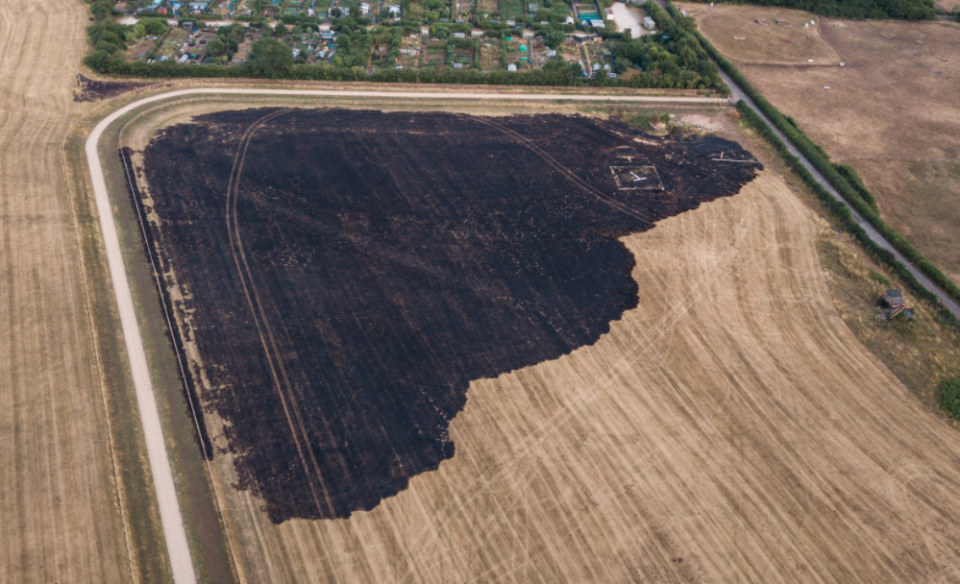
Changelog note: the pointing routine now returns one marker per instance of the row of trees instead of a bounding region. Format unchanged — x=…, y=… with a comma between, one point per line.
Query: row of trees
x=859, y=9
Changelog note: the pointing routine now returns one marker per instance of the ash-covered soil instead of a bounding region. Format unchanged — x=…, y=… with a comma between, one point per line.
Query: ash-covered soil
x=90, y=90
x=348, y=273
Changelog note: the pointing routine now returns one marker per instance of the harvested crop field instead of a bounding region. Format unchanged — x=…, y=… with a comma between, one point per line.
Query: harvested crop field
x=59, y=514
x=340, y=310
x=893, y=115
x=728, y=426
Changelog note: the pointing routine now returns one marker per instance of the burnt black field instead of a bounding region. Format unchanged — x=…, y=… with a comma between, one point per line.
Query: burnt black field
x=396, y=257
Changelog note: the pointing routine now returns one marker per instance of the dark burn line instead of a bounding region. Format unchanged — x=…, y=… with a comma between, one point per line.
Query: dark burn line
x=385, y=261
x=186, y=380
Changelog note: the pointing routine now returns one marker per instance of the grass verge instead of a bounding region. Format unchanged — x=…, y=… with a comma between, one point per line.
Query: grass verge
x=194, y=488
x=949, y=394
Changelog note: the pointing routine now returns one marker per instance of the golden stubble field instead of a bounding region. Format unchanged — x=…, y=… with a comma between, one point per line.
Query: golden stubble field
x=731, y=428
x=893, y=115
x=59, y=514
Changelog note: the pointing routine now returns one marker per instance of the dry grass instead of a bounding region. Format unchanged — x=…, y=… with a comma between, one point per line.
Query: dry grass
x=59, y=514
x=892, y=115
x=731, y=428
x=734, y=31
x=919, y=351
x=920, y=199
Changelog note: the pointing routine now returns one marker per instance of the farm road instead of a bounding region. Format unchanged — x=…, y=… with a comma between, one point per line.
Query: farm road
x=950, y=304
x=171, y=518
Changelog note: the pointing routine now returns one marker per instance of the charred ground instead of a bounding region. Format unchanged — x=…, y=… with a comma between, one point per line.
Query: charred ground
x=348, y=273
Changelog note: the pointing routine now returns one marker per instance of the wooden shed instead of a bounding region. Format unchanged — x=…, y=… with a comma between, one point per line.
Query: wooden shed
x=892, y=303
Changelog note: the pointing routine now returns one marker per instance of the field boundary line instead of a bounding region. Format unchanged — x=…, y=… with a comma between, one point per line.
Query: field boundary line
x=824, y=39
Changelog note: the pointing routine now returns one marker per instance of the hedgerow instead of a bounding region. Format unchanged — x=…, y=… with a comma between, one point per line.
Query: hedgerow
x=859, y=9
x=948, y=394
x=855, y=194
x=841, y=212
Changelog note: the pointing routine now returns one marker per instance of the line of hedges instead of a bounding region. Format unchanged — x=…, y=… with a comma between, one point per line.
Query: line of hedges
x=948, y=393
x=169, y=69
x=855, y=194
x=856, y=9
x=840, y=211
x=851, y=176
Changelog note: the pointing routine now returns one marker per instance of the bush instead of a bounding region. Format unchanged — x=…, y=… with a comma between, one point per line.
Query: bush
x=154, y=26
x=554, y=38
x=948, y=393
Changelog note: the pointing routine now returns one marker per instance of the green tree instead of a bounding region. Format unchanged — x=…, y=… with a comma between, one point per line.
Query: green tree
x=280, y=30
x=554, y=38
x=102, y=9
x=218, y=46
x=135, y=32
x=153, y=25
x=270, y=58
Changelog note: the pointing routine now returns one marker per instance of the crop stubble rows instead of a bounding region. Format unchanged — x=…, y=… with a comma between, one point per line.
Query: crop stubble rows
x=58, y=515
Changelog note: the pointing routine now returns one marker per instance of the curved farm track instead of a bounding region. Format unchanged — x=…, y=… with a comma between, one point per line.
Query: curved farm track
x=729, y=429
x=59, y=520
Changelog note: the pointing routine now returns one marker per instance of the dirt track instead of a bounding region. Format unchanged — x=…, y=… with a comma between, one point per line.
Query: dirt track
x=59, y=520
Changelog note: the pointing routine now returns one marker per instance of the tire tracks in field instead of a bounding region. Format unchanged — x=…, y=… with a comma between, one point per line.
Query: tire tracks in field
x=262, y=322
x=175, y=538
x=590, y=392
x=556, y=165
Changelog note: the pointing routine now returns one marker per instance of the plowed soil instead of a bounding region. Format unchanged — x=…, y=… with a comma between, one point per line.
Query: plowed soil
x=344, y=275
